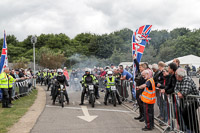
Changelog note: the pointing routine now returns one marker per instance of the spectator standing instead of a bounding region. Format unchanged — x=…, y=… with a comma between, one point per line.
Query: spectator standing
x=65, y=72
x=177, y=62
x=149, y=98
x=140, y=81
x=5, y=78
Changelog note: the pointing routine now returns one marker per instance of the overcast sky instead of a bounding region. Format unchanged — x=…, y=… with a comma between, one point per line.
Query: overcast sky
x=27, y=17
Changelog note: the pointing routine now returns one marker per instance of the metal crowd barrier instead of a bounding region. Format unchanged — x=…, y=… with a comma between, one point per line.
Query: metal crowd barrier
x=21, y=88
x=125, y=90
x=174, y=113
x=179, y=114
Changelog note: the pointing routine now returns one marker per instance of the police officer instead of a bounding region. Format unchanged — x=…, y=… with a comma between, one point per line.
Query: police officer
x=60, y=79
x=5, y=79
x=110, y=81
x=86, y=79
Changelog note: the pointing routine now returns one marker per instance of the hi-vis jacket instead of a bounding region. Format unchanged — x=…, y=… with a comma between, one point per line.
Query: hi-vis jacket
x=149, y=96
x=109, y=82
x=91, y=77
x=6, y=80
x=11, y=81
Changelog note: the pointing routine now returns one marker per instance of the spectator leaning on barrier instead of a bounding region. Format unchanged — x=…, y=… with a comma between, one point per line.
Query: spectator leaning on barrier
x=169, y=89
x=164, y=102
x=21, y=73
x=125, y=75
x=149, y=98
x=185, y=86
x=156, y=77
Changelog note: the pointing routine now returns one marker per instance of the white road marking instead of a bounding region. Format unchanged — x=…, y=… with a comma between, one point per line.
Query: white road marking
x=78, y=108
x=87, y=117
x=98, y=102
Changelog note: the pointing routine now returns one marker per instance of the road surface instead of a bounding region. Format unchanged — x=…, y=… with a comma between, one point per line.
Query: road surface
x=85, y=119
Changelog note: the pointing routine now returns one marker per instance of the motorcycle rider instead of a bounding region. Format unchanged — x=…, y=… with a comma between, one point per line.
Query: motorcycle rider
x=86, y=79
x=60, y=79
x=51, y=76
x=110, y=80
x=73, y=75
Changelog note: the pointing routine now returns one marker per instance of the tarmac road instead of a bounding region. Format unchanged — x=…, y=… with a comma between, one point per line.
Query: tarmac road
x=85, y=119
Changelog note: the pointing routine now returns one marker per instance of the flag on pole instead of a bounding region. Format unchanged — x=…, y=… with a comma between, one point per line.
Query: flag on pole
x=139, y=40
x=4, y=58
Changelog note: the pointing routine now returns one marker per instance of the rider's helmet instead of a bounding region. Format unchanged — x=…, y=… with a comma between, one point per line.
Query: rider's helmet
x=109, y=73
x=87, y=71
x=60, y=71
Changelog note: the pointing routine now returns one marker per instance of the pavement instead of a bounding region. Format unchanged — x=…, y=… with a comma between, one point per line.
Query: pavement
x=26, y=123
x=85, y=119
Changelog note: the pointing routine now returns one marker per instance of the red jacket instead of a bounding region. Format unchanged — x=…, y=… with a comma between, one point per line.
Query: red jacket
x=65, y=72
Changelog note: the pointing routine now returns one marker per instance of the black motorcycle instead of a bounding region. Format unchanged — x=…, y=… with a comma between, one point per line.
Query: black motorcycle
x=61, y=90
x=91, y=94
x=113, y=95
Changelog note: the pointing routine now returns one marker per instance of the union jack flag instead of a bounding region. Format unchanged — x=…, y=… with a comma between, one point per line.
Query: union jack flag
x=4, y=58
x=139, y=40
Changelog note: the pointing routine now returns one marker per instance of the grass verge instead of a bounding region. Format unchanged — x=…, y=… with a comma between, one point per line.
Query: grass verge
x=9, y=116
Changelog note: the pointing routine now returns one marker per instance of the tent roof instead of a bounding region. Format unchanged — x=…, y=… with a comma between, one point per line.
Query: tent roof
x=188, y=59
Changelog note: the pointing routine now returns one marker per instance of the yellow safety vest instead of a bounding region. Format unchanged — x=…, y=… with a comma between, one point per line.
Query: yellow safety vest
x=11, y=81
x=4, y=81
x=110, y=83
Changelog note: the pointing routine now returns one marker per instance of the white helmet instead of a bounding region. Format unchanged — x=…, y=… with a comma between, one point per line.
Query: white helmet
x=88, y=70
x=59, y=71
x=109, y=72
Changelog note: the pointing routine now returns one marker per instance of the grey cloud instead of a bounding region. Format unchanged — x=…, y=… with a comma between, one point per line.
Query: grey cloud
x=23, y=18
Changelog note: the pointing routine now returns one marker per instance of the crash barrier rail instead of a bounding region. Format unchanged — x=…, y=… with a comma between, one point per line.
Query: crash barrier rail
x=125, y=90
x=21, y=88
x=173, y=113
x=178, y=114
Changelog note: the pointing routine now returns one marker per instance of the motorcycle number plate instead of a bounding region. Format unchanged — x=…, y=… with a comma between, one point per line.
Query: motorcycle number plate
x=91, y=87
x=113, y=88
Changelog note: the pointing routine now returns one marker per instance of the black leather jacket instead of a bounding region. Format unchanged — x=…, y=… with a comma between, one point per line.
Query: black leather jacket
x=169, y=89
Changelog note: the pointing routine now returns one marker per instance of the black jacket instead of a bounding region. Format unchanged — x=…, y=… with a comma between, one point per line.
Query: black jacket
x=13, y=75
x=166, y=80
x=169, y=88
x=158, y=77
x=62, y=80
x=139, y=80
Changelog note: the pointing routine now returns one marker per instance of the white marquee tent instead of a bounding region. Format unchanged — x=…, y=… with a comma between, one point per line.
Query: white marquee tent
x=188, y=59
